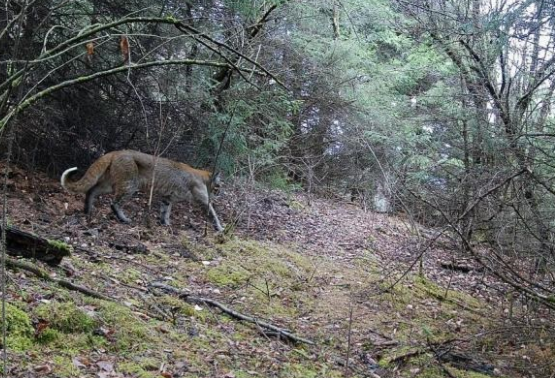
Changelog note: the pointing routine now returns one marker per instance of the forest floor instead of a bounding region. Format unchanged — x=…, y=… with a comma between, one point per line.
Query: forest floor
x=324, y=269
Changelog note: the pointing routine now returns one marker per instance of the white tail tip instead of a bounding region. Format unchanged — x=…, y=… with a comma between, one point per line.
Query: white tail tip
x=65, y=174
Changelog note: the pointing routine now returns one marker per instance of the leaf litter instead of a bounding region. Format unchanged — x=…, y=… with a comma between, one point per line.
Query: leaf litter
x=296, y=260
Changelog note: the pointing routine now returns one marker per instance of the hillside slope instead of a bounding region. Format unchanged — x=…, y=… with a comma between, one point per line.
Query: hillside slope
x=325, y=270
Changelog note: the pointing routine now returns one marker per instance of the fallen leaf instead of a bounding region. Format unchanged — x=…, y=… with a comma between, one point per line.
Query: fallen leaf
x=41, y=326
x=107, y=366
x=79, y=362
x=43, y=369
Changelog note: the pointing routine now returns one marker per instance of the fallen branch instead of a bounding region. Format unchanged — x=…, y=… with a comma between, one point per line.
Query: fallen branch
x=237, y=315
x=460, y=267
x=12, y=263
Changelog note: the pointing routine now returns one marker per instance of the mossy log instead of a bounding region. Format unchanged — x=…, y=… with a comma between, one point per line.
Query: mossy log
x=28, y=245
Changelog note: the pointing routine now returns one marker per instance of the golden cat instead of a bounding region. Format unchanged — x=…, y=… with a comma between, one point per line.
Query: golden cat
x=125, y=172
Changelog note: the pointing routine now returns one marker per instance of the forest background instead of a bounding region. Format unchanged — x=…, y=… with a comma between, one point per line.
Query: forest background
x=440, y=110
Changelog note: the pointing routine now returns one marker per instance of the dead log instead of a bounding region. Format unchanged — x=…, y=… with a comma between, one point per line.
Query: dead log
x=28, y=245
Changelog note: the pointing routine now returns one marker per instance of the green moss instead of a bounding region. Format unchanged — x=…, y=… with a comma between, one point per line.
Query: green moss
x=298, y=370
x=302, y=264
x=129, y=332
x=369, y=263
x=197, y=250
x=48, y=336
x=399, y=295
x=277, y=180
x=227, y=275
x=442, y=294
x=64, y=367
x=136, y=371
x=157, y=256
x=62, y=318
x=176, y=306
x=276, y=306
x=422, y=360
x=432, y=372
x=466, y=373
x=391, y=358
x=430, y=368
x=64, y=248
x=242, y=374
x=239, y=248
x=278, y=268
x=130, y=275
x=19, y=329
x=282, y=285
x=65, y=317
x=430, y=288
x=267, y=259
x=105, y=267
x=296, y=205
x=143, y=368
x=73, y=344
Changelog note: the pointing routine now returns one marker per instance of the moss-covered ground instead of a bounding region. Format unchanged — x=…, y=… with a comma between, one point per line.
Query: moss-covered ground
x=147, y=333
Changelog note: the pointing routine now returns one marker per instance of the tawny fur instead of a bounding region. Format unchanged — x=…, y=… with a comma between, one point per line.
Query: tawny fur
x=125, y=172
